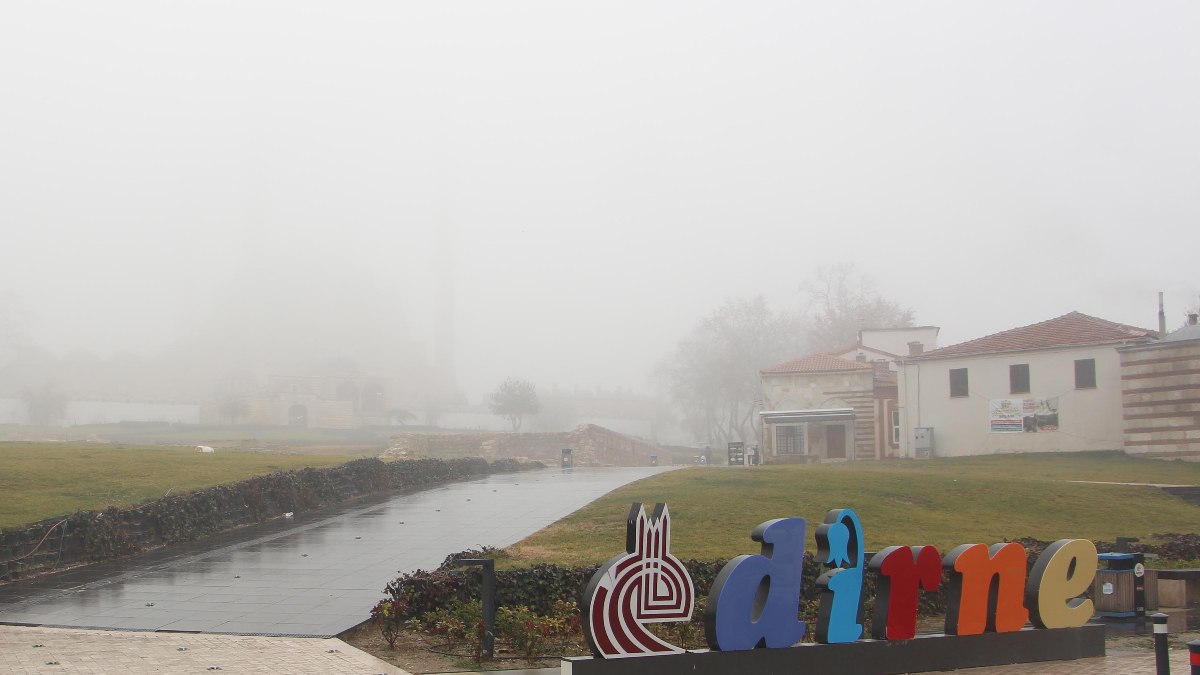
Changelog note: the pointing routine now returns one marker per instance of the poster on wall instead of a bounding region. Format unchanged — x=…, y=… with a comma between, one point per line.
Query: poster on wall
x=1023, y=415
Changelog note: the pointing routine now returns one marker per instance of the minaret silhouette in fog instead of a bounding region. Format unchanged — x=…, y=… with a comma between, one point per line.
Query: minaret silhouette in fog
x=446, y=380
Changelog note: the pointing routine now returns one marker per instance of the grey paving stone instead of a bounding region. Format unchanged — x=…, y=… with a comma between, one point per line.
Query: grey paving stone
x=129, y=653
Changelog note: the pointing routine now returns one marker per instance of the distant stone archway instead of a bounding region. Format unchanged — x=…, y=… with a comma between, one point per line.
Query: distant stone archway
x=297, y=416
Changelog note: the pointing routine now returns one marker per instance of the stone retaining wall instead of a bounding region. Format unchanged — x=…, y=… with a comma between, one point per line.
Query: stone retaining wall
x=592, y=445
x=90, y=536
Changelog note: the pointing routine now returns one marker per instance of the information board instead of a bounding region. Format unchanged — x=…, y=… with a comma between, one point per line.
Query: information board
x=737, y=454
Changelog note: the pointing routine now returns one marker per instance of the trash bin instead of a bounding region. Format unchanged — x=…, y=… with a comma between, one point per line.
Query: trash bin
x=1120, y=586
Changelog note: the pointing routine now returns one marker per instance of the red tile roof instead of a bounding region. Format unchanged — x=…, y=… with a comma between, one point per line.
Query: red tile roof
x=1068, y=330
x=817, y=363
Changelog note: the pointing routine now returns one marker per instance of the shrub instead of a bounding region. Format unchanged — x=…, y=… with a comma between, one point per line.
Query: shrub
x=388, y=615
x=524, y=630
x=456, y=623
x=540, y=587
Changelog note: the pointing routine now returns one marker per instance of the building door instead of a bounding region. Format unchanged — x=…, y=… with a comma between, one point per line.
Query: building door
x=297, y=416
x=835, y=441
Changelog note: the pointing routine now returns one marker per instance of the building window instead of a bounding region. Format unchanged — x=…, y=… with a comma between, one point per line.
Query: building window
x=958, y=382
x=1018, y=378
x=895, y=427
x=789, y=440
x=1085, y=373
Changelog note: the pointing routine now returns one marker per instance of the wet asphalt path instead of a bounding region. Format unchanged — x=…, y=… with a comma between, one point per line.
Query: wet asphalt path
x=315, y=575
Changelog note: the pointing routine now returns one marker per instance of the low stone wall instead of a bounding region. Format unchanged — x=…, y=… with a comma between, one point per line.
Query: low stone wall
x=91, y=536
x=592, y=445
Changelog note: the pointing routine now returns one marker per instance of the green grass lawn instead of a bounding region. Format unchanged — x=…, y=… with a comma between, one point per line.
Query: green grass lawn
x=42, y=480
x=944, y=502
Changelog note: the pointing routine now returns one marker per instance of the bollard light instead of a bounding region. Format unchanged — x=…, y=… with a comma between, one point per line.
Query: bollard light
x=1162, y=659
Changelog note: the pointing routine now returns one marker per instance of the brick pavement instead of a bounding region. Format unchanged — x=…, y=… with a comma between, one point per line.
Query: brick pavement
x=1116, y=663
x=72, y=650
x=96, y=652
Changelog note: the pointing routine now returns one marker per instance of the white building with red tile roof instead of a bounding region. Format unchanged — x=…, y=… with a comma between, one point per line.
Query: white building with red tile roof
x=1053, y=386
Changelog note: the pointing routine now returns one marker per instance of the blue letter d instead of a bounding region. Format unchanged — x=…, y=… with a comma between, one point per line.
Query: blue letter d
x=755, y=600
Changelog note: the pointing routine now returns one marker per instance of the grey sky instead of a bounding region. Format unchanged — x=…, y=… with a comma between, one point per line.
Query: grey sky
x=607, y=172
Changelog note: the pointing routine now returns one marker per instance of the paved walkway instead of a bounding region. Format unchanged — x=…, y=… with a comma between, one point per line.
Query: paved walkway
x=25, y=651
x=316, y=575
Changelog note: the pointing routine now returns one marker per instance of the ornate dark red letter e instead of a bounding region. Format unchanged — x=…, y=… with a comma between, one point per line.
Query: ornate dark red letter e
x=644, y=585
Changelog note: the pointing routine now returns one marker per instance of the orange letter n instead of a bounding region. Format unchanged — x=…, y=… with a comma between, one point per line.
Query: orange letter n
x=987, y=589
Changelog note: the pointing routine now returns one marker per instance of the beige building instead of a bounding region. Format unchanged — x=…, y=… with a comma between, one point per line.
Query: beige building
x=824, y=407
x=1053, y=386
x=1161, y=395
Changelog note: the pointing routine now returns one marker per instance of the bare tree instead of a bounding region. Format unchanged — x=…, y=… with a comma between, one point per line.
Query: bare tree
x=13, y=318
x=44, y=405
x=713, y=375
x=842, y=302
x=514, y=399
x=1191, y=311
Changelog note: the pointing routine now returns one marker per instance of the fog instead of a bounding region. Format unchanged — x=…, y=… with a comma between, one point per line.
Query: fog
x=560, y=191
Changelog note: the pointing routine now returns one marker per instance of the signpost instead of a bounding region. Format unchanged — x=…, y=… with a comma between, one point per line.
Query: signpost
x=488, y=598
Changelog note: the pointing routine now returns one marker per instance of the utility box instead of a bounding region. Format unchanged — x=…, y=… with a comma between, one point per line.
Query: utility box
x=1120, y=586
x=568, y=458
x=923, y=442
